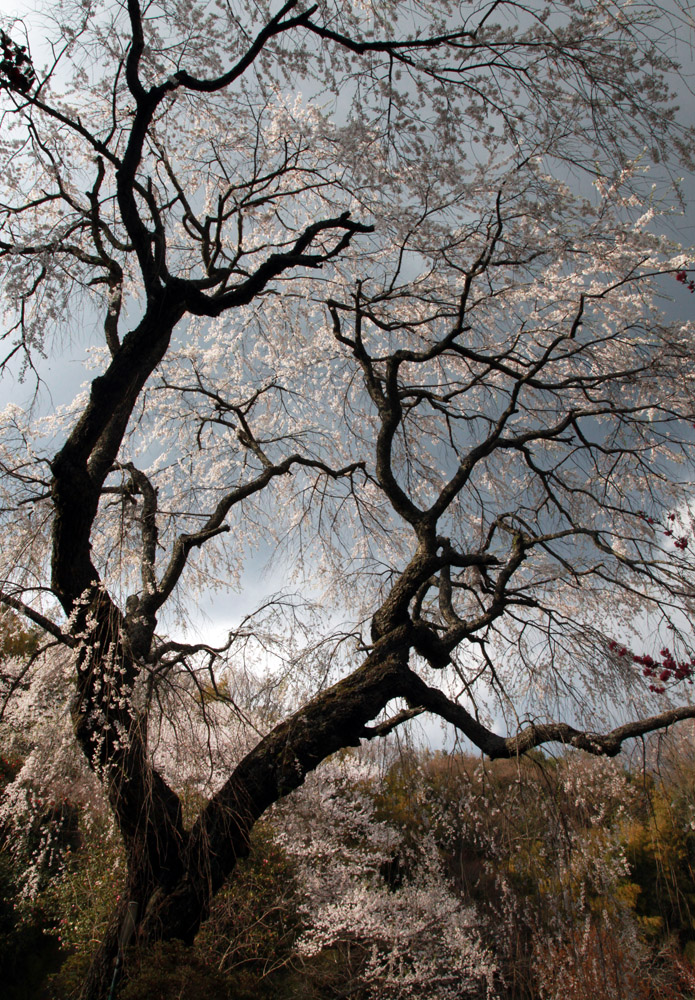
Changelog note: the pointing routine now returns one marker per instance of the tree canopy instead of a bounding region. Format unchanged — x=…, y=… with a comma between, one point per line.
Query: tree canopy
x=373, y=290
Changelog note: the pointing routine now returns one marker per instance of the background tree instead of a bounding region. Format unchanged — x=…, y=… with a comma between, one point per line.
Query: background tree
x=359, y=295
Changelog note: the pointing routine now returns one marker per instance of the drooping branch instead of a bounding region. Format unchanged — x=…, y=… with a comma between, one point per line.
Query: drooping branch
x=215, y=523
x=275, y=26
x=37, y=618
x=422, y=696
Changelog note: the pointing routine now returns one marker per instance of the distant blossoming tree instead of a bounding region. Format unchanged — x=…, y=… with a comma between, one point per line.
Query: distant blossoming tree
x=376, y=288
x=417, y=937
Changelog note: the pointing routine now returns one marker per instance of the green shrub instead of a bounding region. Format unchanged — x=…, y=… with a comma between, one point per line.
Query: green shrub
x=172, y=971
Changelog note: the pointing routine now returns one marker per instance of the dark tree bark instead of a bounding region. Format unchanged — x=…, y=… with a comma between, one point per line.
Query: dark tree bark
x=455, y=584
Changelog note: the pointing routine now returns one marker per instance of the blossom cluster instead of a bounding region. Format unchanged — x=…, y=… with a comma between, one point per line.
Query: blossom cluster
x=669, y=531
x=658, y=671
x=682, y=276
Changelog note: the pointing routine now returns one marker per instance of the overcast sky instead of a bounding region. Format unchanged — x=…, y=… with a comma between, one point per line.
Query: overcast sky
x=64, y=372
